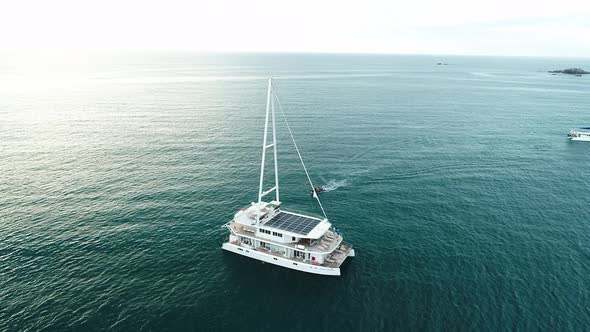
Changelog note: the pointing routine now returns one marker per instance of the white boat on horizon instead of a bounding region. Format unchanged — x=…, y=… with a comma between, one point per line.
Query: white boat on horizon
x=266, y=232
x=582, y=134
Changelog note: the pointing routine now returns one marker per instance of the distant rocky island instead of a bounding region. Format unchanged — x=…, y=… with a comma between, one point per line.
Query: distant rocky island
x=571, y=71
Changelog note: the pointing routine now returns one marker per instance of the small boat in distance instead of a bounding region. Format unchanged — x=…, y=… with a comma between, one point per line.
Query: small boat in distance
x=266, y=232
x=582, y=134
x=317, y=190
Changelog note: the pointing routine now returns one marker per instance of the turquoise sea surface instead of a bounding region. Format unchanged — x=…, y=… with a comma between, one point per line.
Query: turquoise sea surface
x=466, y=204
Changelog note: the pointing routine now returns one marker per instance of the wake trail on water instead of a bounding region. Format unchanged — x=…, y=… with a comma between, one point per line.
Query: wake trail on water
x=333, y=185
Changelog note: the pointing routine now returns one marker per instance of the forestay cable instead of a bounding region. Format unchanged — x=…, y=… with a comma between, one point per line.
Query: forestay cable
x=300, y=158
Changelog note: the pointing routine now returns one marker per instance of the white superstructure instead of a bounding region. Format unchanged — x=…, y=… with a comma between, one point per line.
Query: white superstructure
x=579, y=135
x=265, y=232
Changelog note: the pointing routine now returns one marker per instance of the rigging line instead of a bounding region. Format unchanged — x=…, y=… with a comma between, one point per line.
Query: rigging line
x=300, y=158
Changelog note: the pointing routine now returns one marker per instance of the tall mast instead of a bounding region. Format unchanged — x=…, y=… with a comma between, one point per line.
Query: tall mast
x=269, y=109
x=274, y=141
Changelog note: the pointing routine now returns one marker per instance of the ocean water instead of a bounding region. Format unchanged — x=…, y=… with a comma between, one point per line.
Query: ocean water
x=467, y=206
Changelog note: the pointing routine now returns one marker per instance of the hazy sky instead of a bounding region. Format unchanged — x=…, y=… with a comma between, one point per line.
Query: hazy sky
x=498, y=27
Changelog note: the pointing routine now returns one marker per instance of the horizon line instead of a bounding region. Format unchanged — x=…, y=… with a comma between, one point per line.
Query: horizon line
x=73, y=52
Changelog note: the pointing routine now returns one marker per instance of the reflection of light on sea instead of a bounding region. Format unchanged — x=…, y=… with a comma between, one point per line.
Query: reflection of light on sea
x=482, y=74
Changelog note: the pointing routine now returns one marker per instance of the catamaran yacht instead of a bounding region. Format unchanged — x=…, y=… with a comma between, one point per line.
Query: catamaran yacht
x=266, y=232
x=580, y=134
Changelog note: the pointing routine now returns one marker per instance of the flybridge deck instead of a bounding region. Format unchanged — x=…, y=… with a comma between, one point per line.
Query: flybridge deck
x=269, y=217
x=293, y=223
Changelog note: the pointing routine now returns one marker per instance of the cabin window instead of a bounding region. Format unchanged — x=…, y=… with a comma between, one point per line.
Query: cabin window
x=293, y=238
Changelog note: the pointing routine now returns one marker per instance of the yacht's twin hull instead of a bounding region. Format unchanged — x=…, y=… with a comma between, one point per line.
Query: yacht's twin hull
x=282, y=261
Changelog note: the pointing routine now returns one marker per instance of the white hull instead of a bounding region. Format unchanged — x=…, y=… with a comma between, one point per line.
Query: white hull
x=284, y=262
x=579, y=135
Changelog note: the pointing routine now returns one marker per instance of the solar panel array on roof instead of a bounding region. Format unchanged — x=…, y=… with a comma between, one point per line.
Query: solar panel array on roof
x=292, y=223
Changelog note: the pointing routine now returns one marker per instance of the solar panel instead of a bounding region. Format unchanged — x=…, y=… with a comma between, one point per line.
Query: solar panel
x=292, y=223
